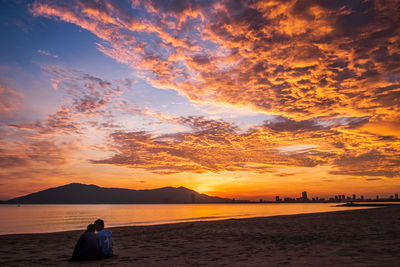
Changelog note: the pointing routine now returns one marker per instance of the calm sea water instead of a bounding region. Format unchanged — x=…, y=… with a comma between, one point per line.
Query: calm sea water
x=56, y=218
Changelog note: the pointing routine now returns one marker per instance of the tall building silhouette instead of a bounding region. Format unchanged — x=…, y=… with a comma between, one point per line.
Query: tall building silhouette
x=304, y=195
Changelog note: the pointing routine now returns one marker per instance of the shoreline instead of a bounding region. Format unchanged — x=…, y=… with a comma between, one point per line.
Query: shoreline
x=181, y=221
x=214, y=203
x=363, y=237
x=368, y=205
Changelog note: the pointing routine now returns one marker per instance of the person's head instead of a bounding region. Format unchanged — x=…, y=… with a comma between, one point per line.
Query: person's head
x=90, y=228
x=99, y=225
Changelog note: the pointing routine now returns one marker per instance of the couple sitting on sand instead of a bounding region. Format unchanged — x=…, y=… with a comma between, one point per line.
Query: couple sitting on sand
x=95, y=243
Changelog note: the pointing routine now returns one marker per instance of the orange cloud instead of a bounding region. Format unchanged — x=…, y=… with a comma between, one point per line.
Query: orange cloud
x=334, y=88
x=297, y=58
x=216, y=146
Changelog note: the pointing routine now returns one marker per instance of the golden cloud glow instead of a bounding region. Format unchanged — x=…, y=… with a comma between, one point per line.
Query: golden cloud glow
x=298, y=58
x=327, y=74
x=215, y=146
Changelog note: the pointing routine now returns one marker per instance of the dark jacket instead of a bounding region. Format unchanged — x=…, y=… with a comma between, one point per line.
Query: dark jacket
x=87, y=247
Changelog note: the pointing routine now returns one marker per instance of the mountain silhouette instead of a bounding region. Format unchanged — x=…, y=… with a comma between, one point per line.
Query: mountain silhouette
x=76, y=193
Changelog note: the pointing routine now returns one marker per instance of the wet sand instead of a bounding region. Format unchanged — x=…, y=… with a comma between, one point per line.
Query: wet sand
x=369, y=237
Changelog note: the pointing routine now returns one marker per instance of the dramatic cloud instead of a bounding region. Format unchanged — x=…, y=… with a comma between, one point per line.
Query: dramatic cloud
x=298, y=58
x=215, y=146
x=372, y=163
x=316, y=85
x=211, y=147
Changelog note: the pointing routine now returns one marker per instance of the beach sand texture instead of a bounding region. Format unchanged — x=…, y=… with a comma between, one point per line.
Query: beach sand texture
x=369, y=237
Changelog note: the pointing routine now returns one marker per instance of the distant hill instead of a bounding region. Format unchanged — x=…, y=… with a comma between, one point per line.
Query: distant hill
x=76, y=193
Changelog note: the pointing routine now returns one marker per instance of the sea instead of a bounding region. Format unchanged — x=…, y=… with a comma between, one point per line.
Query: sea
x=18, y=219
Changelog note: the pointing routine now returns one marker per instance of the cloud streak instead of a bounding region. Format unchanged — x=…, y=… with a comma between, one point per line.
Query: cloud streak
x=47, y=53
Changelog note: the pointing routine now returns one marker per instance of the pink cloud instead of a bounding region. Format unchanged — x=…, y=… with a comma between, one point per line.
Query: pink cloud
x=10, y=100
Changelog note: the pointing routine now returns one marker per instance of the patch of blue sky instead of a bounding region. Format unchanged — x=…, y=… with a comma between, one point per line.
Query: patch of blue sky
x=75, y=48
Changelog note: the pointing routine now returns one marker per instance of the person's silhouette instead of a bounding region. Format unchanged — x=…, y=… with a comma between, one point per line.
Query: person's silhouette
x=87, y=247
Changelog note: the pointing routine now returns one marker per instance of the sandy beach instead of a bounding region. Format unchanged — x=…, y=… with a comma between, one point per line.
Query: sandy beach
x=369, y=237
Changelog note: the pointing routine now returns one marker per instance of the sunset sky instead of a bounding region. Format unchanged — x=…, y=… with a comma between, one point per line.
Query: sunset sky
x=244, y=99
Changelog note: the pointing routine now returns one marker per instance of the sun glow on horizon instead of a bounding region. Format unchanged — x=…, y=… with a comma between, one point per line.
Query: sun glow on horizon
x=231, y=98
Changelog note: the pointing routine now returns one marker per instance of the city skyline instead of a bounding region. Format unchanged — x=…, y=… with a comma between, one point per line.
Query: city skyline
x=336, y=198
x=239, y=99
